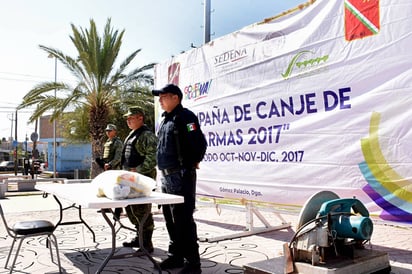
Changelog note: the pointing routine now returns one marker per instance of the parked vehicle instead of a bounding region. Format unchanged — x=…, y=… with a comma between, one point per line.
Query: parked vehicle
x=7, y=166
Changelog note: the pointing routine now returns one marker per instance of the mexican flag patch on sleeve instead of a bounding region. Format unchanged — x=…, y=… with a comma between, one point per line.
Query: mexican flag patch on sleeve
x=191, y=127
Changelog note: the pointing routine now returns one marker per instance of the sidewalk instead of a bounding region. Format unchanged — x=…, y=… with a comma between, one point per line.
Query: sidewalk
x=79, y=254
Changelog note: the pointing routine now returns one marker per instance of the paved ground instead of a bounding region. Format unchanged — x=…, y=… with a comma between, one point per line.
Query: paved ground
x=79, y=254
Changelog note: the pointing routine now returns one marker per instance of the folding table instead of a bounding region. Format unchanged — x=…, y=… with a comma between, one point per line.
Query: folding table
x=85, y=195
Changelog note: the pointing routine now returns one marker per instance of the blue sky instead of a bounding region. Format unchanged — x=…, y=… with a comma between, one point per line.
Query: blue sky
x=161, y=28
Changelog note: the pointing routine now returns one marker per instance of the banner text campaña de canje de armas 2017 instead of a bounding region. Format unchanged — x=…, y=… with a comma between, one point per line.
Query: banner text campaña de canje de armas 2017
x=319, y=98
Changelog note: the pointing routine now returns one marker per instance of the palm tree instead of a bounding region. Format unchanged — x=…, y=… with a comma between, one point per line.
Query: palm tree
x=141, y=97
x=75, y=126
x=97, y=82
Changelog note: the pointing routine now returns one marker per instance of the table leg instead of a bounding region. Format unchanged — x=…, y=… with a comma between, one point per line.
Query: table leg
x=113, y=249
x=121, y=225
x=61, y=209
x=113, y=230
x=84, y=222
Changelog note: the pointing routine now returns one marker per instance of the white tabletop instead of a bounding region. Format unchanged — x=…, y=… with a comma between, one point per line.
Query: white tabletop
x=85, y=195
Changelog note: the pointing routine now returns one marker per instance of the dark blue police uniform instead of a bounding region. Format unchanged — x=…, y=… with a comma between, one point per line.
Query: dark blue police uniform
x=180, y=139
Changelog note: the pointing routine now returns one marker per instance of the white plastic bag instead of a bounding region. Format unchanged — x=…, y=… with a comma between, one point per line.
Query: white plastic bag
x=121, y=184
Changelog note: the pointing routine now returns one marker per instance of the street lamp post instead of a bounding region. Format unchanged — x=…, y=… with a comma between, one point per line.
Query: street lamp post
x=16, y=143
x=54, y=120
x=207, y=22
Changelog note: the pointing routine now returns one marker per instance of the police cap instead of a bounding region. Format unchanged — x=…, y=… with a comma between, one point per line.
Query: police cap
x=170, y=88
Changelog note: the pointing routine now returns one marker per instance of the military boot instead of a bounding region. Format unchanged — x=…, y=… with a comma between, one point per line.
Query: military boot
x=133, y=243
x=147, y=240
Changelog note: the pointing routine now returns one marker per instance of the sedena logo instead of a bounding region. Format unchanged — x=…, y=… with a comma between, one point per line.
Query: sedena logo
x=230, y=56
x=302, y=64
x=361, y=18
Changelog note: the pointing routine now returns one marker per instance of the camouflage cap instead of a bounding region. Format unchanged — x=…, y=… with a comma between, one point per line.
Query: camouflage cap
x=133, y=111
x=111, y=127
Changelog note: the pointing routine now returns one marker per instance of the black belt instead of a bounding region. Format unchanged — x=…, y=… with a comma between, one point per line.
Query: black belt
x=168, y=171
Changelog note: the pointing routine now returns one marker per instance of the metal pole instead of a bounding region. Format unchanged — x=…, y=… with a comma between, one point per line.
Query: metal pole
x=207, y=22
x=16, y=163
x=11, y=131
x=54, y=123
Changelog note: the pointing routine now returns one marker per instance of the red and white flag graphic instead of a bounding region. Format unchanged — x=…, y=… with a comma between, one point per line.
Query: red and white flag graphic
x=173, y=74
x=361, y=18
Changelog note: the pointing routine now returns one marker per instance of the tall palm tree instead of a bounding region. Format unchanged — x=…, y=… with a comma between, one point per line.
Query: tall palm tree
x=75, y=127
x=97, y=82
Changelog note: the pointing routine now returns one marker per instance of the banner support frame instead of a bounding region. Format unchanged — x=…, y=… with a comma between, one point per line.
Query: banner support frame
x=250, y=210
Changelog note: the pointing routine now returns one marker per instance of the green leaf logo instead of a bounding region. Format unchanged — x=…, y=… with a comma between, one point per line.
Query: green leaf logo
x=304, y=63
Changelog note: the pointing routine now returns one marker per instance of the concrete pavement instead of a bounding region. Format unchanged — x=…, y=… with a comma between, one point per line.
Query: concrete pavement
x=79, y=254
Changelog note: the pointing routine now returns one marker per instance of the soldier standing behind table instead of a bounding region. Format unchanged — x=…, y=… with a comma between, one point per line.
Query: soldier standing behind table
x=112, y=153
x=139, y=155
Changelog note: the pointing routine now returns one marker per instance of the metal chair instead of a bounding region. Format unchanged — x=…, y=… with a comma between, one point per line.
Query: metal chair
x=25, y=229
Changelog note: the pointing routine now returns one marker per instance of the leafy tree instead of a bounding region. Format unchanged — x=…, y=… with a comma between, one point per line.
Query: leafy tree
x=141, y=97
x=97, y=82
x=76, y=127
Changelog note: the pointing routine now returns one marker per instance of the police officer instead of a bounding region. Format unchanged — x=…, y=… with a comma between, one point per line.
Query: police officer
x=139, y=155
x=112, y=152
x=181, y=147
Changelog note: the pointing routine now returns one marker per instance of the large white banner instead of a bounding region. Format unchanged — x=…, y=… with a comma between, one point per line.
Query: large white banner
x=319, y=99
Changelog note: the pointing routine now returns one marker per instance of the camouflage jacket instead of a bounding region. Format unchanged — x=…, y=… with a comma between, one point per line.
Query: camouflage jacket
x=139, y=152
x=112, y=153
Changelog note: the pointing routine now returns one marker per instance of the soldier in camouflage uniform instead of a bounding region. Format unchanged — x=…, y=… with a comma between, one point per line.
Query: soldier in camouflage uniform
x=112, y=153
x=139, y=155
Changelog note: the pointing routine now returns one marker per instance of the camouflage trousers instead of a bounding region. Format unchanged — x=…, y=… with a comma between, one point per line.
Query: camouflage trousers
x=135, y=213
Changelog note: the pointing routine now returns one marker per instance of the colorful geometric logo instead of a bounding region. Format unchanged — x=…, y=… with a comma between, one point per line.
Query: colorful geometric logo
x=361, y=18
x=385, y=187
x=173, y=74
